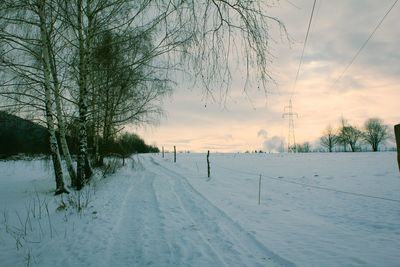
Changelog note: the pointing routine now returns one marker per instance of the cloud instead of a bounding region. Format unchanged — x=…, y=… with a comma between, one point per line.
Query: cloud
x=337, y=34
x=262, y=133
x=369, y=88
x=274, y=144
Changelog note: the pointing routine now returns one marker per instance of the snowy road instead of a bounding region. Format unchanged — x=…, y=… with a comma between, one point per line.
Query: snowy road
x=151, y=216
x=164, y=222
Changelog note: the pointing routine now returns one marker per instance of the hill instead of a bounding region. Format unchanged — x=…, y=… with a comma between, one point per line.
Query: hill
x=18, y=135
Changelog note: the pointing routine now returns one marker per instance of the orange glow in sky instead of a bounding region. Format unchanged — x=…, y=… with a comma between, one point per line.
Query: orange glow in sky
x=369, y=88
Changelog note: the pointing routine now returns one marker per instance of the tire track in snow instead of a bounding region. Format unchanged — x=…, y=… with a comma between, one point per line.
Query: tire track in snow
x=226, y=238
x=128, y=230
x=188, y=246
x=138, y=237
x=94, y=236
x=152, y=228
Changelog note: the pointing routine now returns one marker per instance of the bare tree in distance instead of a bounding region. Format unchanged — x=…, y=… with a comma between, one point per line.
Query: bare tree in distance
x=342, y=141
x=375, y=132
x=349, y=135
x=303, y=148
x=329, y=139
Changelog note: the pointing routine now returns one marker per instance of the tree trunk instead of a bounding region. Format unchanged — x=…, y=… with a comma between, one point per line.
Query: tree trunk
x=83, y=169
x=375, y=146
x=96, y=146
x=63, y=142
x=95, y=125
x=54, y=150
x=88, y=165
x=55, y=156
x=61, y=122
x=353, y=147
x=106, y=123
x=106, y=136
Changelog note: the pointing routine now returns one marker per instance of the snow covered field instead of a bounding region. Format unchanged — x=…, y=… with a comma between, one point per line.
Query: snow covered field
x=339, y=209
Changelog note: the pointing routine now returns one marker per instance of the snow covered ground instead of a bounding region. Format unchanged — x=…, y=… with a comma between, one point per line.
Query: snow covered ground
x=339, y=209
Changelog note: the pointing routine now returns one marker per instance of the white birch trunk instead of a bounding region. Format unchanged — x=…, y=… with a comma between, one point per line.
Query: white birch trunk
x=60, y=117
x=63, y=140
x=54, y=150
x=88, y=166
x=83, y=169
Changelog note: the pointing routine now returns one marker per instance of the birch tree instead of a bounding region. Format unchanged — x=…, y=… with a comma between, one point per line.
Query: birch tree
x=25, y=63
x=199, y=36
x=59, y=107
x=125, y=89
x=79, y=17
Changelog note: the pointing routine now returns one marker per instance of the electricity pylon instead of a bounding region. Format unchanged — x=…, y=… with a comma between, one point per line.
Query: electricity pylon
x=288, y=112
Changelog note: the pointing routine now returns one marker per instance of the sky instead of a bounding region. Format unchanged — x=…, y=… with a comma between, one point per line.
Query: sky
x=250, y=121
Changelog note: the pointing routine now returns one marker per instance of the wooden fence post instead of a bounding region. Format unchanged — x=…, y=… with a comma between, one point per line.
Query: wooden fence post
x=397, y=134
x=208, y=163
x=259, y=191
x=162, y=152
x=174, y=153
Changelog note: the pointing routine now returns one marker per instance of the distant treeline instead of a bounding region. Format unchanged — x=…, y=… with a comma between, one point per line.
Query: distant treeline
x=128, y=143
x=18, y=135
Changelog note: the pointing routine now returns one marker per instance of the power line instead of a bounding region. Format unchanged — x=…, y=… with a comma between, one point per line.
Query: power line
x=304, y=47
x=289, y=113
x=364, y=44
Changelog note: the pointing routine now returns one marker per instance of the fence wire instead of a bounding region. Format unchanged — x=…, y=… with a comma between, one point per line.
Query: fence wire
x=307, y=185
